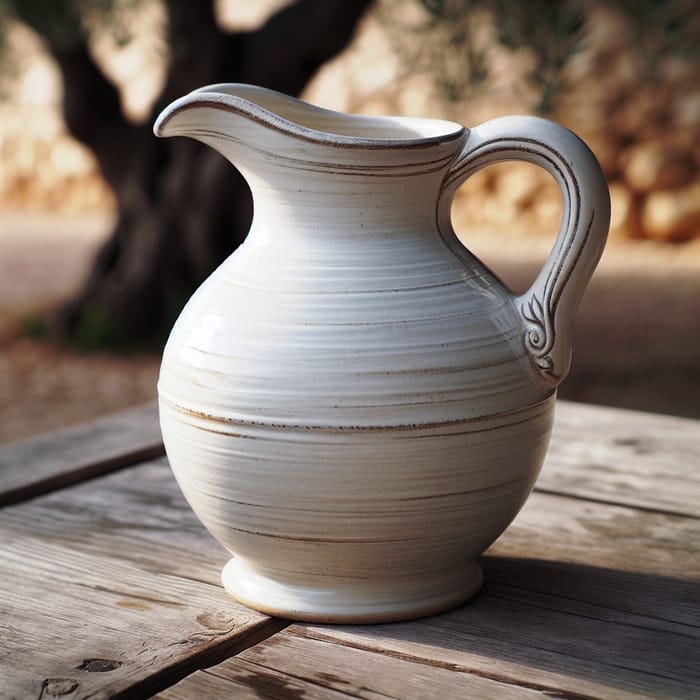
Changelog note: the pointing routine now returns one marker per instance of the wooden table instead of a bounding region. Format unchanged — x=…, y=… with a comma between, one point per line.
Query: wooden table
x=109, y=586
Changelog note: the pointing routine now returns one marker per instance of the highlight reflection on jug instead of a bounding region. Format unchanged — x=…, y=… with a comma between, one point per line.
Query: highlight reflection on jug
x=352, y=403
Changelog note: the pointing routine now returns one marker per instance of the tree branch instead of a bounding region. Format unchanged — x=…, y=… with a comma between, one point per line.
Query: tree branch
x=296, y=41
x=198, y=49
x=92, y=110
x=91, y=103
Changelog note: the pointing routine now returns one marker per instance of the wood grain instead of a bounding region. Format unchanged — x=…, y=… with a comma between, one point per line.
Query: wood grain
x=56, y=460
x=582, y=600
x=627, y=457
x=110, y=589
x=561, y=615
x=289, y=666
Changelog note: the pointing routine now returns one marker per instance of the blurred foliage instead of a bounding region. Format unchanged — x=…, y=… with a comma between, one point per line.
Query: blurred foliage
x=67, y=23
x=64, y=24
x=456, y=38
x=97, y=330
x=36, y=326
x=663, y=27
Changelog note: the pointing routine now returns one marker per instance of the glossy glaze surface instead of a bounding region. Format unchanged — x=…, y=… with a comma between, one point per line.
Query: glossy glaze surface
x=352, y=404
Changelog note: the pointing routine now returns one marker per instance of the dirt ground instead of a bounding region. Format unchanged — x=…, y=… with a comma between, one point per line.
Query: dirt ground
x=43, y=258
x=637, y=342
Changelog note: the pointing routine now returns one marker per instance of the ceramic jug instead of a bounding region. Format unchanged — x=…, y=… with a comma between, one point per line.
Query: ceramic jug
x=352, y=403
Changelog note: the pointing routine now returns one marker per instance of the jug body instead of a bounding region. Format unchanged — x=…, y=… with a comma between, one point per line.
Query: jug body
x=352, y=403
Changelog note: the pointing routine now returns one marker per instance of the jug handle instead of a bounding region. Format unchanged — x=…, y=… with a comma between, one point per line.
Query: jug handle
x=548, y=307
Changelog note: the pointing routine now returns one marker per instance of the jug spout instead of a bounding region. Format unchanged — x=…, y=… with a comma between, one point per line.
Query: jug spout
x=235, y=120
x=300, y=158
x=262, y=132
x=297, y=119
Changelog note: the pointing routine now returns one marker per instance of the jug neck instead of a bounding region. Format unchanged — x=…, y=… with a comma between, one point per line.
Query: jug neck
x=321, y=204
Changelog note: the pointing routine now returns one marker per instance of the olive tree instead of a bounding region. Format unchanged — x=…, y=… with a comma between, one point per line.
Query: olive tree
x=180, y=208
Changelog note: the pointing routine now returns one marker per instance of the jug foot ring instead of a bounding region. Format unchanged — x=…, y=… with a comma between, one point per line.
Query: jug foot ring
x=349, y=601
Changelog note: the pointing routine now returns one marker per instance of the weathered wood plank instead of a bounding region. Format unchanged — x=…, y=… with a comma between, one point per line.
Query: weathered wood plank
x=627, y=457
x=137, y=514
x=291, y=666
x=619, y=538
x=522, y=640
x=42, y=464
x=582, y=600
x=110, y=589
x=601, y=601
x=502, y=645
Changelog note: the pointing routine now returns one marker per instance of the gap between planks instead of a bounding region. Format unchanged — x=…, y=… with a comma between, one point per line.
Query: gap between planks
x=579, y=603
x=110, y=589
x=59, y=459
x=169, y=538
x=611, y=502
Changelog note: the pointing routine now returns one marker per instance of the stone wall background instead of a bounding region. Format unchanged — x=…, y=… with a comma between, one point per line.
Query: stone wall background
x=643, y=124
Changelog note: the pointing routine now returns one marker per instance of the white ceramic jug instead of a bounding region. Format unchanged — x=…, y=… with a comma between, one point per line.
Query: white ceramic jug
x=352, y=403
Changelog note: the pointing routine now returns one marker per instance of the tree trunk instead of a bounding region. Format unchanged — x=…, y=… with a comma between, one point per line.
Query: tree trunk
x=181, y=208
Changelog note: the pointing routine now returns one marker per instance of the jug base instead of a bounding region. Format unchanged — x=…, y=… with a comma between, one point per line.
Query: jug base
x=351, y=601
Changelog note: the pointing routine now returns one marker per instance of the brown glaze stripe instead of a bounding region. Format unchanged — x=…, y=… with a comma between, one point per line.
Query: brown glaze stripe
x=368, y=428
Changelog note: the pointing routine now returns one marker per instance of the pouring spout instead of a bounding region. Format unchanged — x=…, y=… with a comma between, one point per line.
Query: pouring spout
x=206, y=108
x=306, y=121
x=193, y=114
x=240, y=122
x=269, y=125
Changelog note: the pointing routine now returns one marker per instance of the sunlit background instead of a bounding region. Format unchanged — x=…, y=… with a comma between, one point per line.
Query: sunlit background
x=638, y=334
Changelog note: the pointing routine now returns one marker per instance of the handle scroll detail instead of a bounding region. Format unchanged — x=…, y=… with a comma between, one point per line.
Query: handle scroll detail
x=539, y=310
x=548, y=307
